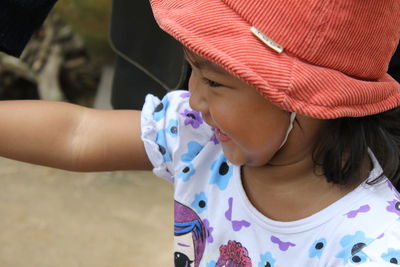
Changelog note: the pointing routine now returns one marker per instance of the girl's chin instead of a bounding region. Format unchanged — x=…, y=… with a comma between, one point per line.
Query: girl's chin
x=246, y=162
x=253, y=158
x=239, y=158
x=234, y=156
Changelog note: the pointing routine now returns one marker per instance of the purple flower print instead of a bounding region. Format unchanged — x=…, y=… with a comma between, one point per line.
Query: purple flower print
x=213, y=138
x=354, y=213
x=209, y=231
x=284, y=246
x=394, y=206
x=193, y=118
x=185, y=94
x=237, y=225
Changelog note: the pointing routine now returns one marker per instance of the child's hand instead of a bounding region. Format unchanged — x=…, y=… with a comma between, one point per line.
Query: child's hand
x=71, y=137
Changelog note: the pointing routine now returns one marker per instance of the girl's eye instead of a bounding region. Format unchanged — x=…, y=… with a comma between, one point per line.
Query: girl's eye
x=211, y=83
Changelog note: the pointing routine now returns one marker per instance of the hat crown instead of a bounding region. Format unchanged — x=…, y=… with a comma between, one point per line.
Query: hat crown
x=335, y=53
x=355, y=37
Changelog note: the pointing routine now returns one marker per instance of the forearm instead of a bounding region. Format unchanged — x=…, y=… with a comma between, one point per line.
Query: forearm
x=39, y=132
x=71, y=137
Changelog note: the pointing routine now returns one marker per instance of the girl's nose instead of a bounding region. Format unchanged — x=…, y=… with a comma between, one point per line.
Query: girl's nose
x=198, y=98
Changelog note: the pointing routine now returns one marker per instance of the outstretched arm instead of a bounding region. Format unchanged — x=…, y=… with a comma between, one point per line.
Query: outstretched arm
x=71, y=137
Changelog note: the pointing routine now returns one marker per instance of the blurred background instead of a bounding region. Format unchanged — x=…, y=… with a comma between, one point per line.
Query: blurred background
x=86, y=53
x=91, y=20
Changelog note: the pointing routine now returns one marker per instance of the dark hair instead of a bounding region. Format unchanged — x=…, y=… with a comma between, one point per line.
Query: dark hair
x=344, y=145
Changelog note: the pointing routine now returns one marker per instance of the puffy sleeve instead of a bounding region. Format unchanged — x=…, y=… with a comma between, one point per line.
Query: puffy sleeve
x=168, y=125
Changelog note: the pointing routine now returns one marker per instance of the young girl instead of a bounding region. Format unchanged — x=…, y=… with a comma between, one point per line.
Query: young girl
x=286, y=150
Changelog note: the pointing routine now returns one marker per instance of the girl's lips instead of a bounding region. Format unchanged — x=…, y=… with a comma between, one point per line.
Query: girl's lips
x=222, y=137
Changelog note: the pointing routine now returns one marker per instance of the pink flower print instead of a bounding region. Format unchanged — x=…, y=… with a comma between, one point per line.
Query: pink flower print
x=233, y=255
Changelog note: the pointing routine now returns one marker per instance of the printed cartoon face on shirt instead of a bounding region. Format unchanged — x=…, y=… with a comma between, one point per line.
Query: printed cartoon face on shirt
x=184, y=250
x=190, y=236
x=249, y=128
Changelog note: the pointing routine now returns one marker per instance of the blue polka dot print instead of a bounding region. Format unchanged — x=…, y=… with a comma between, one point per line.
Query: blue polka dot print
x=221, y=173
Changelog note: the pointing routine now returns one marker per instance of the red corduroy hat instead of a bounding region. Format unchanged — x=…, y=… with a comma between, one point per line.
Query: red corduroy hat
x=324, y=59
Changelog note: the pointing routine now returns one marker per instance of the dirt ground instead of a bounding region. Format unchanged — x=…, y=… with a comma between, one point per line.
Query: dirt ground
x=54, y=218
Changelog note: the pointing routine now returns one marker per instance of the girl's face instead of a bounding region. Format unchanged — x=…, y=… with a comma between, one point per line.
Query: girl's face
x=249, y=128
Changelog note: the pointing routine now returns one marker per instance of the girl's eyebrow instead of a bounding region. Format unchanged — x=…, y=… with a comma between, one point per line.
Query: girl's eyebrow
x=202, y=64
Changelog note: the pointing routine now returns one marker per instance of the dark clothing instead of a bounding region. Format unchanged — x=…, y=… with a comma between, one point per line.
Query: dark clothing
x=394, y=66
x=148, y=60
x=18, y=21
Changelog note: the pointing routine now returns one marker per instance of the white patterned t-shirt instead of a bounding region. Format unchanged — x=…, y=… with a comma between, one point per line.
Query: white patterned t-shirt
x=216, y=225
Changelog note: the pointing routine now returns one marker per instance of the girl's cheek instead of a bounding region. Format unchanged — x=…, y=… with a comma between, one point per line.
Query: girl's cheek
x=222, y=114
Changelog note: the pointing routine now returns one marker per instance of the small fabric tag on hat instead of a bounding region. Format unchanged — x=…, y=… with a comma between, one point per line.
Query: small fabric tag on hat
x=266, y=40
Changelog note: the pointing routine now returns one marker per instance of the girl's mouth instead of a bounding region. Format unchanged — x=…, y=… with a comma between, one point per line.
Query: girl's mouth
x=222, y=137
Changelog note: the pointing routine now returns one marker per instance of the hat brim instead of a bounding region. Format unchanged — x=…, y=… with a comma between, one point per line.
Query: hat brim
x=216, y=32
